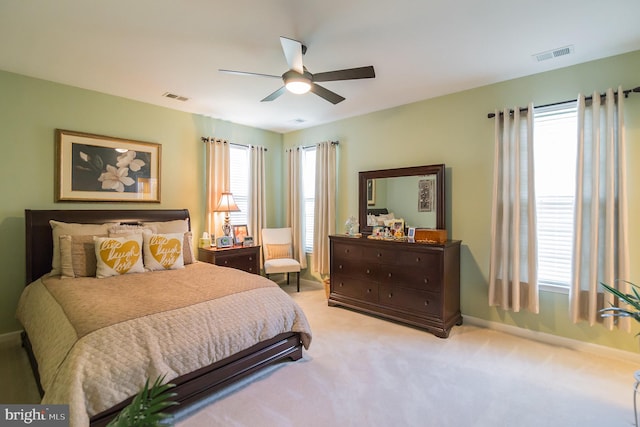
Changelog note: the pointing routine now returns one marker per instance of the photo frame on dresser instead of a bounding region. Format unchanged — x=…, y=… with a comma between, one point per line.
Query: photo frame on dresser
x=239, y=233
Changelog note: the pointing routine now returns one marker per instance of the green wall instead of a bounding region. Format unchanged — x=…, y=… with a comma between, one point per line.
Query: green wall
x=455, y=130
x=31, y=110
x=452, y=129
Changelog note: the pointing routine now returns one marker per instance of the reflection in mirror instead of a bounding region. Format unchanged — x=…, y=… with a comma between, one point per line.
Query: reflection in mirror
x=415, y=194
x=412, y=198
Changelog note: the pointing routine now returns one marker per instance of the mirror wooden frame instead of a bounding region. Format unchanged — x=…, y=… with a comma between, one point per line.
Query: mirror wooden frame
x=363, y=177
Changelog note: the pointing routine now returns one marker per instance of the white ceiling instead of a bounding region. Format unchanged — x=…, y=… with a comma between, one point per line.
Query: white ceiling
x=140, y=49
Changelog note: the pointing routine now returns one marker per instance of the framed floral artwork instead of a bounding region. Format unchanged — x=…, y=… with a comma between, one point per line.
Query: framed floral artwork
x=95, y=168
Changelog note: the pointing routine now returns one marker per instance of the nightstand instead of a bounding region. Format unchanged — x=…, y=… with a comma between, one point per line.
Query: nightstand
x=239, y=257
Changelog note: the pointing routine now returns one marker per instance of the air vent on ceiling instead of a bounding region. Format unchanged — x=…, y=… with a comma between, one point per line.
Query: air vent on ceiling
x=555, y=53
x=174, y=96
x=298, y=120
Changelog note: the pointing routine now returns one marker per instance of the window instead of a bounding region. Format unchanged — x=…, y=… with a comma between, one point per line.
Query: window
x=555, y=153
x=309, y=188
x=239, y=182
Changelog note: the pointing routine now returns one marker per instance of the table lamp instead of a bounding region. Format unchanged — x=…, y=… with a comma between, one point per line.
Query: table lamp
x=226, y=205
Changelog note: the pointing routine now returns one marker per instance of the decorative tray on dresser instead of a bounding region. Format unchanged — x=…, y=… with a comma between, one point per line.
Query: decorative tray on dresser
x=413, y=283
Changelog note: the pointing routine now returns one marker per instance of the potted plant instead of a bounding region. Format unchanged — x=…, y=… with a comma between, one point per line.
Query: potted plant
x=145, y=410
x=633, y=300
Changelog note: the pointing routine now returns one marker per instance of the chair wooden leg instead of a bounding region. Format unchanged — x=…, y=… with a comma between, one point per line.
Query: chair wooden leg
x=287, y=278
x=298, y=279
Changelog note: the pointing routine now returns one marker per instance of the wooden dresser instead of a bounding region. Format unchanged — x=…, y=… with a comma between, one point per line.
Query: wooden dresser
x=414, y=283
x=241, y=258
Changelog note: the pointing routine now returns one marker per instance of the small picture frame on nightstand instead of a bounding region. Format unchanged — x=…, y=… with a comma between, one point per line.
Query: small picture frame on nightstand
x=248, y=241
x=224, y=242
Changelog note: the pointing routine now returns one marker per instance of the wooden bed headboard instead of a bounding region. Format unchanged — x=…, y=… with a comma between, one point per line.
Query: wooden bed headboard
x=39, y=240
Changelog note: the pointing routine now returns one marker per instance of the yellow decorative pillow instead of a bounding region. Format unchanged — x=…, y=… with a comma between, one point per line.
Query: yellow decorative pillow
x=163, y=251
x=275, y=251
x=175, y=226
x=118, y=255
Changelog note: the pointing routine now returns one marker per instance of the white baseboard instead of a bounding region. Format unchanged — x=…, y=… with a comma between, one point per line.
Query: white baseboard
x=555, y=340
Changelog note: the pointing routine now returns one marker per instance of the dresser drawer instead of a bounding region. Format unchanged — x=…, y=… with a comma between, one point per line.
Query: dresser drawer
x=354, y=288
x=245, y=262
x=421, y=302
x=346, y=251
x=428, y=278
x=357, y=269
x=241, y=258
x=382, y=255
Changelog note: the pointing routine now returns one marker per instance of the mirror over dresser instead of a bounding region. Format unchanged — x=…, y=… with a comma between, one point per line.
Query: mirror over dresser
x=395, y=277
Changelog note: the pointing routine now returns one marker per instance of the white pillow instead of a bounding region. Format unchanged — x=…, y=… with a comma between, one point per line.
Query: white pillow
x=163, y=251
x=118, y=255
x=65, y=228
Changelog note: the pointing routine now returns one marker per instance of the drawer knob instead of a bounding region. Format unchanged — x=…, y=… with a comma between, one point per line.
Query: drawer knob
x=426, y=280
x=379, y=255
x=346, y=251
x=341, y=284
x=390, y=295
x=368, y=291
x=226, y=262
x=368, y=271
x=426, y=302
x=418, y=259
x=250, y=258
x=390, y=275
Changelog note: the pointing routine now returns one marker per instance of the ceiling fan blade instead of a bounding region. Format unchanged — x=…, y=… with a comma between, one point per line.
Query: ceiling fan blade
x=245, y=73
x=332, y=97
x=274, y=95
x=348, y=74
x=293, y=53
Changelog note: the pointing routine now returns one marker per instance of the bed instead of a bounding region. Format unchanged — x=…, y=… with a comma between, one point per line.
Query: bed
x=85, y=370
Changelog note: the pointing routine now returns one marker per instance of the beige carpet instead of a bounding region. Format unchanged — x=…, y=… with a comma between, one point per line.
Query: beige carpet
x=364, y=371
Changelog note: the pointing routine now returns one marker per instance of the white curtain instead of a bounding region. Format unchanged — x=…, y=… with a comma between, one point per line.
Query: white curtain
x=600, y=228
x=257, y=214
x=294, y=203
x=513, y=278
x=325, y=205
x=218, y=180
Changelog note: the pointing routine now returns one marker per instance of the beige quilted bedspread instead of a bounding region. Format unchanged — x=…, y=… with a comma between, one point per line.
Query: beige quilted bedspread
x=97, y=340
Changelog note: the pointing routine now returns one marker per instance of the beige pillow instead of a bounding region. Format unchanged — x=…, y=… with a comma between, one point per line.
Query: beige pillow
x=65, y=228
x=126, y=229
x=118, y=255
x=78, y=256
x=163, y=251
x=187, y=248
x=276, y=251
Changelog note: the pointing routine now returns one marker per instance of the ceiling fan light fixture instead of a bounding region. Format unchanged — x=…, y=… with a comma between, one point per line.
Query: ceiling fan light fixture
x=297, y=83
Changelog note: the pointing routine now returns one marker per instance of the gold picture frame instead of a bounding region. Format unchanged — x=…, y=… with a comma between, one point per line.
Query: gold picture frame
x=96, y=168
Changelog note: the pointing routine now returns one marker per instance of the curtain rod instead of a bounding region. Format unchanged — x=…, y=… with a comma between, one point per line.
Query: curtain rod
x=207, y=139
x=587, y=98
x=313, y=145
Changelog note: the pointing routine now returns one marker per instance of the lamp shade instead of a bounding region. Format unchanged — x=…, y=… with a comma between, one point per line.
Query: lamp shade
x=226, y=203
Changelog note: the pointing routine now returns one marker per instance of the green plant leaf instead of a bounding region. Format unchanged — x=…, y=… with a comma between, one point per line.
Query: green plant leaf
x=145, y=408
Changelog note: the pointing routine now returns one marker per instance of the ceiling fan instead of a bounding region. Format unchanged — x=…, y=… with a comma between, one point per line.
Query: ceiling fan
x=299, y=80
